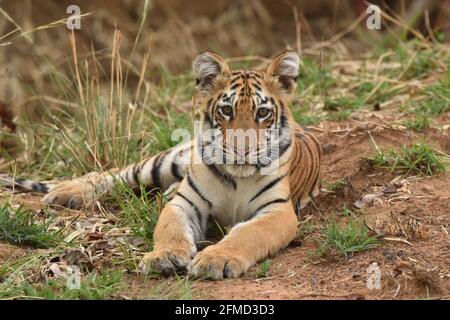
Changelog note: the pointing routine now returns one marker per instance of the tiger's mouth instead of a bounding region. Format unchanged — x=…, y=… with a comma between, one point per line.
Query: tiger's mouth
x=240, y=170
x=244, y=156
x=258, y=156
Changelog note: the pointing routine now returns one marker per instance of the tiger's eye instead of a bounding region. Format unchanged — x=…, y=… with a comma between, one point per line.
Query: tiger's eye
x=227, y=110
x=262, y=112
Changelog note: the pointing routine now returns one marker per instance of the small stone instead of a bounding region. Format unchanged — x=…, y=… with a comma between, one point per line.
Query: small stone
x=389, y=190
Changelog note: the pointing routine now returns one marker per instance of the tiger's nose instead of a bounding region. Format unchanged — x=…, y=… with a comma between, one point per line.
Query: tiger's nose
x=241, y=152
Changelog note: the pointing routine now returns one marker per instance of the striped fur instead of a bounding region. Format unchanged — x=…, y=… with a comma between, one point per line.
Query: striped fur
x=257, y=199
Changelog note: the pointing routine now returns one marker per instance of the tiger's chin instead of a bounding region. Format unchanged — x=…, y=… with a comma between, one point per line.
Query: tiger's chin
x=240, y=170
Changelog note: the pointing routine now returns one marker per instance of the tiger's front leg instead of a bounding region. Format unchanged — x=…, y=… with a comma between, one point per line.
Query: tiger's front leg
x=247, y=243
x=179, y=226
x=174, y=245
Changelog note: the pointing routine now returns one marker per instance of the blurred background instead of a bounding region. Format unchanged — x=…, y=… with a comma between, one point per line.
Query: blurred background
x=175, y=30
x=142, y=44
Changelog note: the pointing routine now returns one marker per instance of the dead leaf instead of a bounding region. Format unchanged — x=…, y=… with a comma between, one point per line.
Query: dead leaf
x=94, y=236
x=398, y=240
x=367, y=198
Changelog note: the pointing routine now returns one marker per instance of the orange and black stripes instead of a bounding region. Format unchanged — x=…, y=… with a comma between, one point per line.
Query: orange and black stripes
x=305, y=168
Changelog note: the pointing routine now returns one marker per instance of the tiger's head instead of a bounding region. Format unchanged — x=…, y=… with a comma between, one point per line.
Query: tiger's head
x=244, y=112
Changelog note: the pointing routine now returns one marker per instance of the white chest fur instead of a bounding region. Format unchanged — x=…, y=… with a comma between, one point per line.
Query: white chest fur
x=234, y=201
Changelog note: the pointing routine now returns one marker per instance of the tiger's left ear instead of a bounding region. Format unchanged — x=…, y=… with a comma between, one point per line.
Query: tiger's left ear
x=285, y=67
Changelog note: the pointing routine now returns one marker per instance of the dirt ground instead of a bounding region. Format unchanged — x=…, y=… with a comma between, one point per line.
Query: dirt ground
x=414, y=259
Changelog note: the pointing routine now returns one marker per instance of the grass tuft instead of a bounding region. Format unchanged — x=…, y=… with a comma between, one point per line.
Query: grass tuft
x=184, y=289
x=336, y=186
x=139, y=212
x=97, y=286
x=418, y=158
x=19, y=226
x=347, y=212
x=436, y=101
x=347, y=239
x=263, y=269
x=419, y=123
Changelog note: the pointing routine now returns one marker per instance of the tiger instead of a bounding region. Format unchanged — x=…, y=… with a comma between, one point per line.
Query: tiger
x=260, y=202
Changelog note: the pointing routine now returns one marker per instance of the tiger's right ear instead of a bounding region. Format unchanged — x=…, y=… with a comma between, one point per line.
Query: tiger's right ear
x=285, y=68
x=208, y=67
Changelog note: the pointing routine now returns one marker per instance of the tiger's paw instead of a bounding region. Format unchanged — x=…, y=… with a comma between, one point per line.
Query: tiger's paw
x=215, y=263
x=71, y=195
x=165, y=261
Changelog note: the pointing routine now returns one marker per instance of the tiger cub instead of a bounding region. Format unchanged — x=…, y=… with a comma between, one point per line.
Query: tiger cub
x=256, y=187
